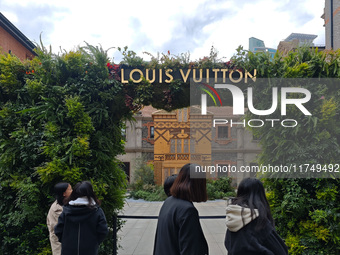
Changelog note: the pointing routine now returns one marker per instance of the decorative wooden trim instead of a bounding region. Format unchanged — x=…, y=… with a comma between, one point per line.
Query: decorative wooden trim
x=159, y=157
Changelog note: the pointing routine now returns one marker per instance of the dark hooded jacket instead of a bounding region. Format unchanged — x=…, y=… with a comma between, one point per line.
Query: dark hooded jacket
x=81, y=229
x=243, y=238
x=179, y=230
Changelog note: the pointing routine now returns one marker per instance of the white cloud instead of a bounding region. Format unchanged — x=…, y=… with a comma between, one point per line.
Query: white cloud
x=153, y=26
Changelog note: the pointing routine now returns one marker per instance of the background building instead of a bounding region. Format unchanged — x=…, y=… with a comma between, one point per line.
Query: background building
x=331, y=17
x=13, y=41
x=171, y=139
x=295, y=40
x=139, y=141
x=303, y=39
x=257, y=45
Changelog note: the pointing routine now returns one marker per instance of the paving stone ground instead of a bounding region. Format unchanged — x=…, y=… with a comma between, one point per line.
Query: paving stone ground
x=137, y=235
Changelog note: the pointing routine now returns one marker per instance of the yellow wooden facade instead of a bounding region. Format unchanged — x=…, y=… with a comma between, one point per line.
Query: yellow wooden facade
x=180, y=137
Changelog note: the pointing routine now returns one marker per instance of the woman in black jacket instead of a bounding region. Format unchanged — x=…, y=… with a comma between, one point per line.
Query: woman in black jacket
x=250, y=225
x=82, y=224
x=179, y=230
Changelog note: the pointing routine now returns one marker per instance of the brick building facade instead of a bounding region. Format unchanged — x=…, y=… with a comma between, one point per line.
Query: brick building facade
x=331, y=17
x=13, y=41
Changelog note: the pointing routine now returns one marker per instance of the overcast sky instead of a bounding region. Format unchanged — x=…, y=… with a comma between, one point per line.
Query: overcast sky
x=157, y=26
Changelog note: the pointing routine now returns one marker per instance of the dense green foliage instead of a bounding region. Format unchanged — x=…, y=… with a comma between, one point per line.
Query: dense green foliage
x=149, y=193
x=306, y=210
x=220, y=188
x=143, y=186
x=61, y=118
x=143, y=174
x=216, y=189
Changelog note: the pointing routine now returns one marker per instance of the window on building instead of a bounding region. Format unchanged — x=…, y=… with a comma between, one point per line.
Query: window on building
x=123, y=132
x=150, y=129
x=173, y=146
x=192, y=146
x=222, y=132
x=186, y=146
x=152, y=132
x=179, y=146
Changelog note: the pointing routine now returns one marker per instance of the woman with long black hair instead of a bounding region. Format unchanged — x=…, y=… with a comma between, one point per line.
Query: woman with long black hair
x=250, y=225
x=179, y=231
x=62, y=191
x=82, y=225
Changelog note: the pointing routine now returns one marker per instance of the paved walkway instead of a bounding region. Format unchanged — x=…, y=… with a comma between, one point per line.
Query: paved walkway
x=137, y=235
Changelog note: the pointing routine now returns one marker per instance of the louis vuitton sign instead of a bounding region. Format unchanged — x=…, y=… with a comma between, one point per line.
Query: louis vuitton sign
x=159, y=76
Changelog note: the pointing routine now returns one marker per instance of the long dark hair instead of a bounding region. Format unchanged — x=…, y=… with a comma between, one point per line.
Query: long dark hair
x=59, y=190
x=251, y=194
x=188, y=186
x=84, y=189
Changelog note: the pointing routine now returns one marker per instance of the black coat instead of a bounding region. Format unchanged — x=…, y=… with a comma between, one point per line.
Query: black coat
x=81, y=229
x=249, y=241
x=179, y=230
